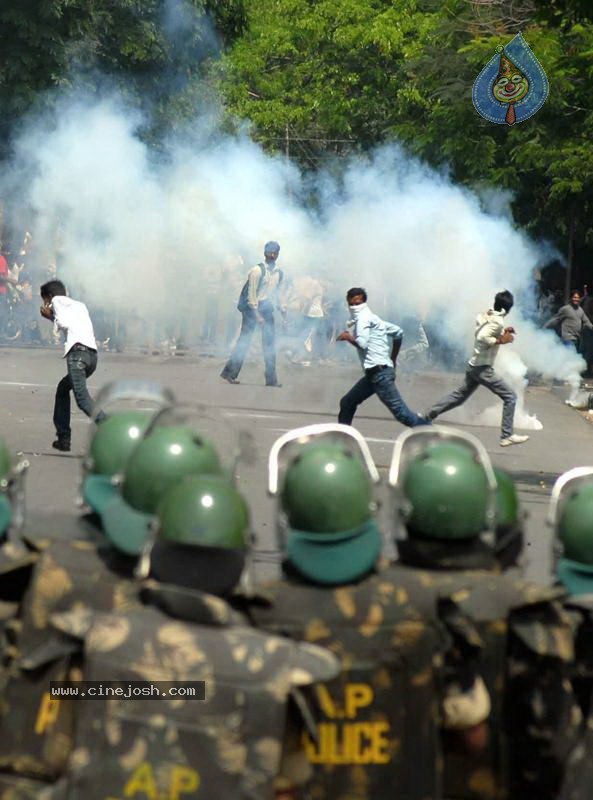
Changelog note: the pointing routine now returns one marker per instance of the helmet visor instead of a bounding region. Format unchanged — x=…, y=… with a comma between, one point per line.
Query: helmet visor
x=221, y=428
x=96, y=486
x=413, y=445
x=288, y=447
x=283, y=454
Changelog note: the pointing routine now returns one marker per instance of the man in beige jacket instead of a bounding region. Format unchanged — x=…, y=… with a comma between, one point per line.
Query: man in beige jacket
x=490, y=334
x=257, y=301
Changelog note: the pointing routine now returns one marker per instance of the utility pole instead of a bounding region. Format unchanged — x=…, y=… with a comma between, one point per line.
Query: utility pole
x=287, y=155
x=570, y=257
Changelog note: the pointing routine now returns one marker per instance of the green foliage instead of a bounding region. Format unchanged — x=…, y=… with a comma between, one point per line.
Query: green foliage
x=330, y=70
x=154, y=49
x=368, y=71
x=320, y=79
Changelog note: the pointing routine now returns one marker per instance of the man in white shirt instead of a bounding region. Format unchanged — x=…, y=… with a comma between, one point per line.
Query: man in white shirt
x=80, y=351
x=489, y=335
x=377, y=343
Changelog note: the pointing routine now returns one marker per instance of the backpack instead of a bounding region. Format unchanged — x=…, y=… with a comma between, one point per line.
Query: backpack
x=243, y=304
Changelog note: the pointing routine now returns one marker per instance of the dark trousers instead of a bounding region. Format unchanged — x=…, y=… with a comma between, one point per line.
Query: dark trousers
x=379, y=381
x=480, y=376
x=235, y=363
x=81, y=365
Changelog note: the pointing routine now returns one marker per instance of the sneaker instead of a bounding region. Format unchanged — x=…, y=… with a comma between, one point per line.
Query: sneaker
x=228, y=379
x=275, y=385
x=514, y=438
x=61, y=444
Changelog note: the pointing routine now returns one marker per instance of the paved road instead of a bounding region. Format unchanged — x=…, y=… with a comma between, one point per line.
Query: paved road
x=308, y=395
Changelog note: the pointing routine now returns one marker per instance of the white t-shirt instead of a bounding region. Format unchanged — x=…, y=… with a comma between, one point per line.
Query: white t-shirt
x=73, y=318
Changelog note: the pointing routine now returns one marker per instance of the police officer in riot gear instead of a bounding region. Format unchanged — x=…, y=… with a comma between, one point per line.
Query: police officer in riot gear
x=380, y=715
x=445, y=506
x=230, y=743
x=571, y=519
x=77, y=567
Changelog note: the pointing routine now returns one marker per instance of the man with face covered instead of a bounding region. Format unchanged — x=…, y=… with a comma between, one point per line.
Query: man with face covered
x=377, y=342
x=489, y=334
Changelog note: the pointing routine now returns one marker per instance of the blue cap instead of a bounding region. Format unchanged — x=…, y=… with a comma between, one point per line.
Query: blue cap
x=272, y=247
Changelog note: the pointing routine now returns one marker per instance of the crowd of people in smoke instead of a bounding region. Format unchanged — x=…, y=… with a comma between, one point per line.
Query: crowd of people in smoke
x=306, y=332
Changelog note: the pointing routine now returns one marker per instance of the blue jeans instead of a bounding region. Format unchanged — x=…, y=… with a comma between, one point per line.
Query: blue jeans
x=381, y=383
x=248, y=326
x=81, y=365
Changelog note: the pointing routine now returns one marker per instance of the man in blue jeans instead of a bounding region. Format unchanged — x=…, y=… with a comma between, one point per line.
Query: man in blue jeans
x=259, y=297
x=378, y=343
x=80, y=351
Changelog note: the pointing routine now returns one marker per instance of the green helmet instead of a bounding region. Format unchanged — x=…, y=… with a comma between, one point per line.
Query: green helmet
x=5, y=503
x=120, y=425
x=507, y=513
x=448, y=492
x=571, y=514
x=575, y=525
x=111, y=445
x=326, y=490
x=327, y=500
x=163, y=457
x=5, y=460
x=204, y=510
x=201, y=541
x=114, y=440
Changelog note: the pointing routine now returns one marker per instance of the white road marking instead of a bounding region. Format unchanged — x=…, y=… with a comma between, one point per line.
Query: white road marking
x=255, y=416
x=19, y=383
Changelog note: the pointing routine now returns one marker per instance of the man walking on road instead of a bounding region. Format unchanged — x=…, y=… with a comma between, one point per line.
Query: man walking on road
x=258, y=298
x=490, y=334
x=80, y=352
x=378, y=343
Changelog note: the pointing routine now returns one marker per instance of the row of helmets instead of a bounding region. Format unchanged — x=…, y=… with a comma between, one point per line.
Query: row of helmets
x=152, y=466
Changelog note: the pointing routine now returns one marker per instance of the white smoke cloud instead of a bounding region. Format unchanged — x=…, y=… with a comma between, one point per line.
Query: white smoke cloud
x=147, y=234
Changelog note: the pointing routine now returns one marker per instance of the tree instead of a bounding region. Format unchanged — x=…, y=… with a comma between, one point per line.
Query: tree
x=333, y=75
x=323, y=75
x=154, y=50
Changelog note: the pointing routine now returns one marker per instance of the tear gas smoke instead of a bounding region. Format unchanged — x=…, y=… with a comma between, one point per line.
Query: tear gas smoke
x=155, y=239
